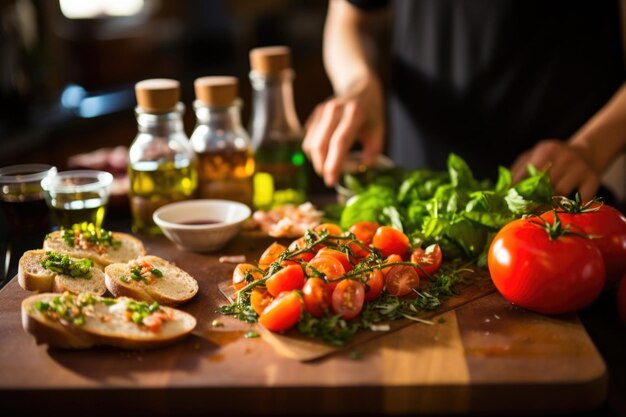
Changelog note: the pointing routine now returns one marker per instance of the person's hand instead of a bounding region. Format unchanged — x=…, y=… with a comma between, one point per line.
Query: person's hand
x=566, y=165
x=335, y=124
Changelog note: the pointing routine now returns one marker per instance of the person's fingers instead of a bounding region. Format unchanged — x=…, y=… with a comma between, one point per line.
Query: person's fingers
x=341, y=141
x=567, y=181
x=372, y=141
x=519, y=167
x=321, y=134
x=589, y=187
x=543, y=153
x=310, y=127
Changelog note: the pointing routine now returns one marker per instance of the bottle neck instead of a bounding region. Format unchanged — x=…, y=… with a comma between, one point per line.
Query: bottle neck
x=273, y=110
x=162, y=124
x=225, y=118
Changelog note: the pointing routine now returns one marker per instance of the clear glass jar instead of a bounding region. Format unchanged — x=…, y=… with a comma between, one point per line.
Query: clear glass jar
x=224, y=153
x=162, y=166
x=276, y=132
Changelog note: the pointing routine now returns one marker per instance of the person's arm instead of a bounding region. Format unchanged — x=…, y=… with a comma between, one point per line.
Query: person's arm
x=579, y=163
x=356, y=110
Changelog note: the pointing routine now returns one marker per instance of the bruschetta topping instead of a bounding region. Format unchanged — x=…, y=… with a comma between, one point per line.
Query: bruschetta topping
x=142, y=271
x=86, y=236
x=63, y=264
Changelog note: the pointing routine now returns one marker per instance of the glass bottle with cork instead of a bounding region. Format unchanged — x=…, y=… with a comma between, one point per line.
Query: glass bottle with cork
x=276, y=132
x=162, y=165
x=221, y=144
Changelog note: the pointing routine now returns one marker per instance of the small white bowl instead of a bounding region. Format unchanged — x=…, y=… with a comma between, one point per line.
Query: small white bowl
x=174, y=220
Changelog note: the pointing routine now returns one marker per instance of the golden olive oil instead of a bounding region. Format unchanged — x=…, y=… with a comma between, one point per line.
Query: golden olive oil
x=226, y=174
x=153, y=185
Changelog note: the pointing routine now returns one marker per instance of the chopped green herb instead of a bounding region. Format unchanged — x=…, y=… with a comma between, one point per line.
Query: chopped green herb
x=63, y=264
x=124, y=278
x=217, y=323
x=157, y=273
x=441, y=320
x=251, y=334
x=87, y=233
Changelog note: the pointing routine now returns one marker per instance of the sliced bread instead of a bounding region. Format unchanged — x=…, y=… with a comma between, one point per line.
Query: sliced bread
x=129, y=247
x=150, y=278
x=32, y=275
x=85, y=320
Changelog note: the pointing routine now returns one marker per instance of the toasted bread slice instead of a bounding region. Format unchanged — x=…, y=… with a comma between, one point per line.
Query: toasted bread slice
x=33, y=276
x=174, y=287
x=103, y=321
x=129, y=248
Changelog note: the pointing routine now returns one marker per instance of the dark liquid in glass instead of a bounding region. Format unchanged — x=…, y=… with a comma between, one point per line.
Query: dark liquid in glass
x=29, y=216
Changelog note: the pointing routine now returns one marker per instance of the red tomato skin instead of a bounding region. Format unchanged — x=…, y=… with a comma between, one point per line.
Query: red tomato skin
x=331, y=229
x=283, y=313
x=317, y=295
x=374, y=284
x=390, y=240
x=429, y=260
x=608, y=228
x=364, y=231
x=621, y=299
x=547, y=276
x=348, y=298
x=340, y=256
x=270, y=255
x=301, y=244
x=329, y=266
x=401, y=280
x=289, y=278
x=260, y=298
x=391, y=259
x=239, y=275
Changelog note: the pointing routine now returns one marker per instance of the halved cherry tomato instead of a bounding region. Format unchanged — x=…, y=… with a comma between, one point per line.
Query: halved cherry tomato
x=328, y=266
x=401, y=280
x=348, y=298
x=374, y=282
x=391, y=259
x=270, y=255
x=301, y=244
x=340, y=256
x=289, y=278
x=359, y=250
x=428, y=260
x=364, y=231
x=283, y=313
x=316, y=296
x=259, y=299
x=240, y=272
x=390, y=240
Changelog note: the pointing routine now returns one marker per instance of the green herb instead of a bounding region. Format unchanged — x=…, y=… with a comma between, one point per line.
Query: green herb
x=140, y=310
x=124, y=278
x=217, y=323
x=63, y=264
x=251, y=334
x=89, y=234
x=156, y=272
x=441, y=320
x=135, y=274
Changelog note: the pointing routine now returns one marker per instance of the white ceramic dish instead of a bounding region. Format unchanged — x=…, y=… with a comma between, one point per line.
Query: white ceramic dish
x=174, y=219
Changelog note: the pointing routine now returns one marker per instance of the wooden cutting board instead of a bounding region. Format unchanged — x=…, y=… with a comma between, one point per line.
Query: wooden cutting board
x=483, y=356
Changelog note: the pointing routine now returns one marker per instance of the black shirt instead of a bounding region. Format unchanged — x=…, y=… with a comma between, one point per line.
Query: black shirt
x=487, y=79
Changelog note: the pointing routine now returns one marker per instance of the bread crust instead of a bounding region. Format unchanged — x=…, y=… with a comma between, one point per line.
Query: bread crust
x=116, y=332
x=131, y=248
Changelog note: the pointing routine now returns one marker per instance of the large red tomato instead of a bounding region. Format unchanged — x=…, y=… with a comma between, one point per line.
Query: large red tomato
x=544, y=271
x=607, y=227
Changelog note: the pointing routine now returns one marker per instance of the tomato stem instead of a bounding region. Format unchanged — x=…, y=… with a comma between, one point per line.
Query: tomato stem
x=564, y=204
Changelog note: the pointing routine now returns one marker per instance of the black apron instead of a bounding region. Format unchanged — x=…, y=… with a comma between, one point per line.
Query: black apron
x=487, y=79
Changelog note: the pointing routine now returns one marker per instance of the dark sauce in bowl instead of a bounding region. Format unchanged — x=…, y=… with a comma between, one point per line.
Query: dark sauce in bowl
x=200, y=222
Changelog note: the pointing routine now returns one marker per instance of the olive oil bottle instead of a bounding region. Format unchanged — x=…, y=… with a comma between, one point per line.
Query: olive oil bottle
x=281, y=175
x=162, y=165
x=221, y=144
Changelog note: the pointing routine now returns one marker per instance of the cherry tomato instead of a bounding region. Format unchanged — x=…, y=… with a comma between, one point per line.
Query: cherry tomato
x=391, y=259
x=259, y=299
x=340, y=256
x=331, y=229
x=239, y=275
x=328, y=266
x=607, y=226
x=289, y=278
x=374, y=283
x=348, y=298
x=283, y=313
x=316, y=294
x=364, y=231
x=301, y=244
x=390, y=240
x=401, y=280
x=359, y=250
x=621, y=299
x=550, y=275
x=428, y=260
x=270, y=255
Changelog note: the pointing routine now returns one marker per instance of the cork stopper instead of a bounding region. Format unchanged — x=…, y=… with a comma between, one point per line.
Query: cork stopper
x=157, y=95
x=270, y=60
x=218, y=91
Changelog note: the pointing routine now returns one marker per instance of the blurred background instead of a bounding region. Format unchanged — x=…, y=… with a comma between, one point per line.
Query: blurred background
x=68, y=67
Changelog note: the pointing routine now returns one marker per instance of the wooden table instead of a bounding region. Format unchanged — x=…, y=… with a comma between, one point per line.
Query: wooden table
x=484, y=356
